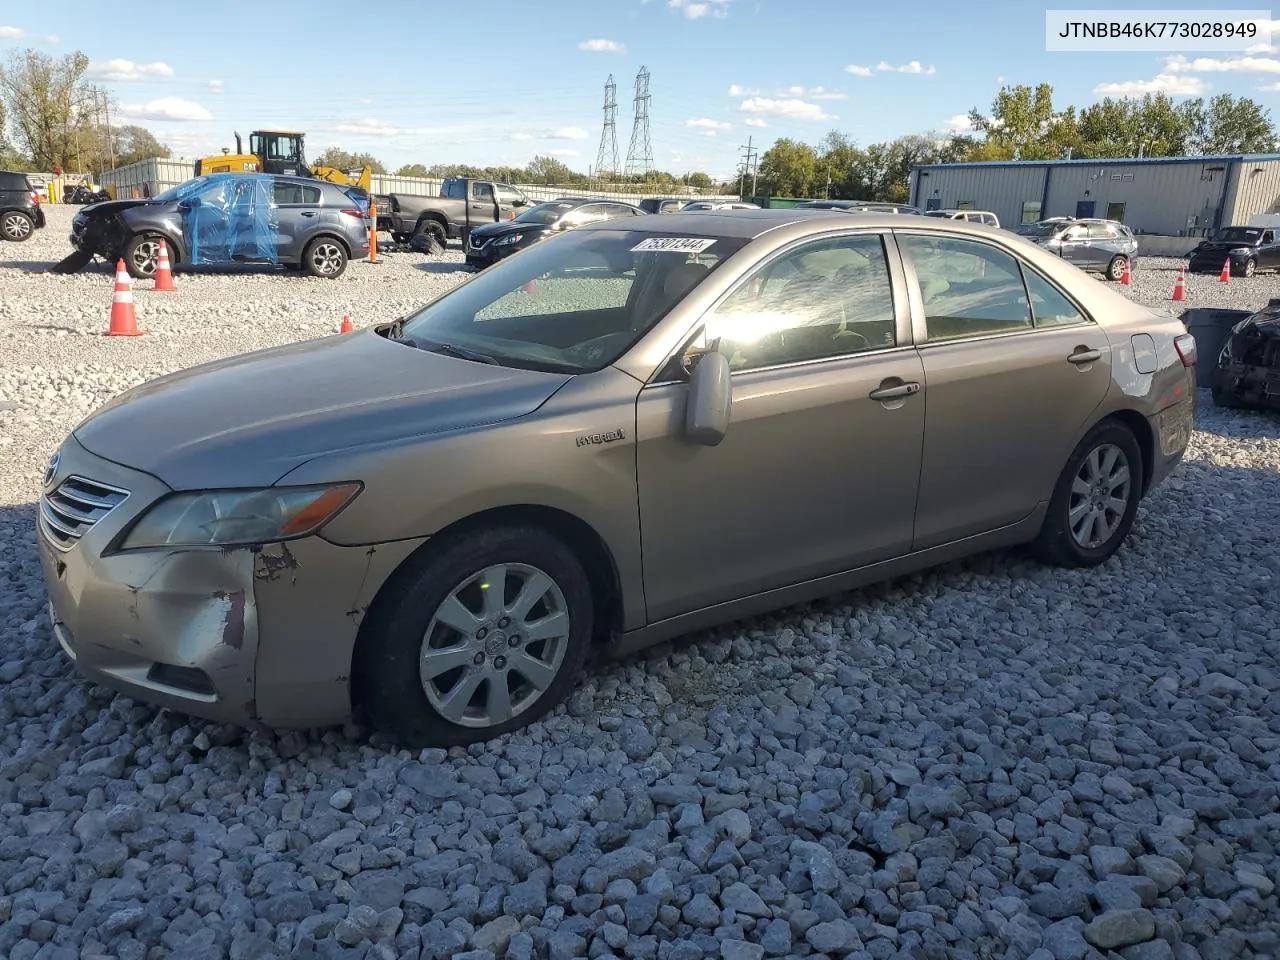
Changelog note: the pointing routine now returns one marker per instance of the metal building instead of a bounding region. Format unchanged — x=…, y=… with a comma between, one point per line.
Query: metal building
x=1168, y=196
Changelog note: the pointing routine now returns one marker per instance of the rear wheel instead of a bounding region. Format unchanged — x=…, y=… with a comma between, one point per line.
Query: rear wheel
x=325, y=258
x=434, y=229
x=484, y=636
x=1095, y=500
x=1115, y=269
x=16, y=226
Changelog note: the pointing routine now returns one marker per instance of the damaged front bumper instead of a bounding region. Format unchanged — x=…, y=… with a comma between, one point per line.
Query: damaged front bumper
x=236, y=635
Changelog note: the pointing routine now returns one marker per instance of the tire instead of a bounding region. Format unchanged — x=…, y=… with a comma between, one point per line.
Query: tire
x=390, y=684
x=1250, y=268
x=16, y=226
x=1058, y=543
x=1225, y=400
x=401, y=237
x=1115, y=269
x=325, y=258
x=435, y=229
x=141, y=254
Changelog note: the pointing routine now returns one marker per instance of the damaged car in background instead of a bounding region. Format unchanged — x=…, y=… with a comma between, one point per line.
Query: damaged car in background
x=1247, y=374
x=296, y=222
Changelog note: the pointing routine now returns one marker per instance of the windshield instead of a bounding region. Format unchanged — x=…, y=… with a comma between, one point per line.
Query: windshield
x=938, y=213
x=545, y=213
x=572, y=304
x=1039, y=229
x=1240, y=234
x=183, y=190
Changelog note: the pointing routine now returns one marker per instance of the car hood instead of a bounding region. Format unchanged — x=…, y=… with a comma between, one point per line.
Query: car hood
x=1209, y=246
x=113, y=206
x=249, y=420
x=501, y=229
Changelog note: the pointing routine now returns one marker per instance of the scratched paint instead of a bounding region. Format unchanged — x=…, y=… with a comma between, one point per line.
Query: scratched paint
x=233, y=618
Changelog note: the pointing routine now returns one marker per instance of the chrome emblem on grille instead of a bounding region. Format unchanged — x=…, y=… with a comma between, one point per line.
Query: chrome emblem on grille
x=52, y=469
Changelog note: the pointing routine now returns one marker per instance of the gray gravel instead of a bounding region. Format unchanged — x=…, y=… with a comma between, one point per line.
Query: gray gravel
x=995, y=759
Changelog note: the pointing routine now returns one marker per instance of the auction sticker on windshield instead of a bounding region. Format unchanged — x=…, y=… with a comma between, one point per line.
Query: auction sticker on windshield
x=675, y=244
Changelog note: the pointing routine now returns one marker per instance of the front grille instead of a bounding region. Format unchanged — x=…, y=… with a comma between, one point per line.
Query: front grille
x=476, y=244
x=74, y=507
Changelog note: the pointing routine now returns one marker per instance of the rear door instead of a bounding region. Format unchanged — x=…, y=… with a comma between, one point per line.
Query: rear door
x=298, y=212
x=1013, y=372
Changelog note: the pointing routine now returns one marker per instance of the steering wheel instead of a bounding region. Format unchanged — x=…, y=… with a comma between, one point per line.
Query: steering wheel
x=595, y=349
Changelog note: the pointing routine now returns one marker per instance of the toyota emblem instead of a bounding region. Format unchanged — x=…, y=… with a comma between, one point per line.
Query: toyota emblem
x=52, y=469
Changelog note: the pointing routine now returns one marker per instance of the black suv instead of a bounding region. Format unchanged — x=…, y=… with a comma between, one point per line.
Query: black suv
x=1246, y=249
x=20, y=211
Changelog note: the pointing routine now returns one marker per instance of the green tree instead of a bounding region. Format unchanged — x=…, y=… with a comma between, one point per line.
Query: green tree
x=1023, y=123
x=342, y=160
x=699, y=180
x=132, y=144
x=49, y=106
x=549, y=170
x=413, y=170
x=1230, y=125
x=788, y=169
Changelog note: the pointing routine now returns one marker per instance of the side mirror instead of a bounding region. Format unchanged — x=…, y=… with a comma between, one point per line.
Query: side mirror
x=706, y=416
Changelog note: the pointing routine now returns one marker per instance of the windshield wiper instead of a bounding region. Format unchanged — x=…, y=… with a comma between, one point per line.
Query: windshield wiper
x=460, y=352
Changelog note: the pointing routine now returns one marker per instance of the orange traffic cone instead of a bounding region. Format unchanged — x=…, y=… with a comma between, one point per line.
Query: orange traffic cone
x=346, y=325
x=1225, y=275
x=164, y=274
x=124, y=320
x=1180, y=285
x=1126, y=280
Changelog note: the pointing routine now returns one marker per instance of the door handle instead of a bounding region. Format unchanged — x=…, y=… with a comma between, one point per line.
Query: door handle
x=1083, y=355
x=893, y=393
x=308, y=213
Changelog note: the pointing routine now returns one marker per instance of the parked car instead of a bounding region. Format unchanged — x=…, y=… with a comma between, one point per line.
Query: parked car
x=972, y=216
x=697, y=205
x=858, y=206
x=1246, y=249
x=1246, y=375
x=462, y=203
x=300, y=222
x=491, y=242
x=1100, y=246
x=20, y=211
x=433, y=520
x=662, y=204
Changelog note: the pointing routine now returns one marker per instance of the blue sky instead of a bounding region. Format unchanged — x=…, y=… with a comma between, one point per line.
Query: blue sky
x=496, y=83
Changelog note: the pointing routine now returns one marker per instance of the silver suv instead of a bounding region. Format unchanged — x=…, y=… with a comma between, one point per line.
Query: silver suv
x=1101, y=246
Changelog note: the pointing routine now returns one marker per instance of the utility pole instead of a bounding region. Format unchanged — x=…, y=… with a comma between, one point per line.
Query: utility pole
x=106, y=112
x=749, y=160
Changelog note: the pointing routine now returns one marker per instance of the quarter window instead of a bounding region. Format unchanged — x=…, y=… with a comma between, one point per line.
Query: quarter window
x=968, y=289
x=830, y=298
x=1049, y=307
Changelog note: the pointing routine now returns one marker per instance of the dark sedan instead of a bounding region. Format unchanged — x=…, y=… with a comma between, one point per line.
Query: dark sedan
x=298, y=222
x=1247, y=249
x=492, y=242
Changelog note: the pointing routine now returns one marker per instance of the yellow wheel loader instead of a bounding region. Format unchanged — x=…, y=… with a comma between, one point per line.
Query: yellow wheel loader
x=279, y=151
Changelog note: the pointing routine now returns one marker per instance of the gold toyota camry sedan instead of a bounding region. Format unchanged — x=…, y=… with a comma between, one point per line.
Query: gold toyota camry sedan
x=629, y=431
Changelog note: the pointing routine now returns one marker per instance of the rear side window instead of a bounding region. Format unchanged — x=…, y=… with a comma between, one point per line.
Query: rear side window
x=296, y=193
x=969, y=289
x=14, y=181
x=1100, y=231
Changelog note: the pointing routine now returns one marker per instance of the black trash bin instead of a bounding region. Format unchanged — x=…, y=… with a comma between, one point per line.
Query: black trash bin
x=1211, y=327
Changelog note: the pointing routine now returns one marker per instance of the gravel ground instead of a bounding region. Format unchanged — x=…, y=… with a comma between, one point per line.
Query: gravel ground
x=995, y=759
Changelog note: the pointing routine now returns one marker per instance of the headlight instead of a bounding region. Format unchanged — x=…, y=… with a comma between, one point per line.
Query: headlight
x=508, y=240
x=1239, y=251
x=238, y=517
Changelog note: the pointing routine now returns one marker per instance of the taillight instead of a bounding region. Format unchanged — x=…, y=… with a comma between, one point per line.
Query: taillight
x=35, y=198
x=1186, y=347
x=355, y=212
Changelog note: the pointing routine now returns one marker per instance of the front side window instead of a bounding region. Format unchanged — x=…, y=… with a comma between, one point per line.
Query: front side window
x=482, y=191
x=574, y=304
x=824, y=299
x=968, y=289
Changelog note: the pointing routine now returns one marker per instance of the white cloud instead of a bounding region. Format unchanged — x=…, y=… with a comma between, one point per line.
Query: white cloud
x=792, y=109
x=884, y=67
x=959, y=123
x=737, y=90
x=704, y=123
x=167, y=108
x=53, y=38
x=564, y=153
x=126, y=71
x=1166, y=83
x=1000, y=80
x=568, y=133
x=1260, y=48
x=815, y=93
x=755, y=122
x=522, y=136
x=706, y=133
x=215, y=86
x=1270, y=87
x=696, y=9
x=11, y=33
x=602, y=46
x=371, y=127
x=1180, y=64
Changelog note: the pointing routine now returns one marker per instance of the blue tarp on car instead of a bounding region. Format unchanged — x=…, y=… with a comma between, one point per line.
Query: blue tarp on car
x=230, y=217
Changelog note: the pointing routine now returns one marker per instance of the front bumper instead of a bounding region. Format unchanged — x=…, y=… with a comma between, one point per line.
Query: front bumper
x=489, y=253
x=1212, y=262
x=235, y=635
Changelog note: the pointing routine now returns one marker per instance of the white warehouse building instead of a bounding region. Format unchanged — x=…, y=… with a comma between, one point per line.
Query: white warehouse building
x=1166, y=196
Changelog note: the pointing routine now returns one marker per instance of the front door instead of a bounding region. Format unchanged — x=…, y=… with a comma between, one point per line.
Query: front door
x=1010, y=384
x=819, y=469
x=483, y=204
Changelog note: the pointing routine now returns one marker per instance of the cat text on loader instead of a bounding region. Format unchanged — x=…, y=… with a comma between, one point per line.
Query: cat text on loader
x=279, y=151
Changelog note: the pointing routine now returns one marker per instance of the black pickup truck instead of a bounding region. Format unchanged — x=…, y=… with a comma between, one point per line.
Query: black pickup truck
x=463, y=203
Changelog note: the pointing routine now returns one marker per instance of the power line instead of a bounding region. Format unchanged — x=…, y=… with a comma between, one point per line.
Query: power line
x=607, y=156
x=640, y=152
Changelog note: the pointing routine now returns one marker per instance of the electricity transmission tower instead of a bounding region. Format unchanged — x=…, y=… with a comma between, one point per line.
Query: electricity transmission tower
x=607, y=157
x=640, y=152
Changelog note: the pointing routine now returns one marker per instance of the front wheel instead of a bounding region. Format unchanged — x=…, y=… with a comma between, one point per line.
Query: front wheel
x=1115, y=269
x=141, y=255
x=325, y=258
x=482, y=637
x=1095, y=500
x=1250, y=267
x=16, y=226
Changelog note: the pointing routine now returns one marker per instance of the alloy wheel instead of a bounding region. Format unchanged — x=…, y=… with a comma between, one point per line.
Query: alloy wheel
x=326, y=258
x=1099, y=496
x=17, y=227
